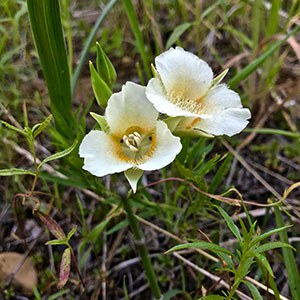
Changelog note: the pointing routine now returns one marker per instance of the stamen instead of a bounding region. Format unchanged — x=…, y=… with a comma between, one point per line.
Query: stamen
x=134, y=149
x=133, y=141
x=137, y=140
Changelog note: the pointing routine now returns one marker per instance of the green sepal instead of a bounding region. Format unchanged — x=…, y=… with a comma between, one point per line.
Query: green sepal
x=133, y=176
x=101, y=89
x=182, y=126
x=105, y=67
x=219, y=78
x=101, y=121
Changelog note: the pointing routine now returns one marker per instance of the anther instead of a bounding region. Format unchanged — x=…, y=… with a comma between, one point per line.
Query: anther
x=132, y=148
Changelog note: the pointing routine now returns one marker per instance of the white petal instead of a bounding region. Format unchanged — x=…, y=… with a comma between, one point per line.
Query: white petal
x=220, y=98
x=100, y=159
x=133, y=176
x=167, y=147
x=158, y=97
x=182, y=71
x=228, y=121
x=129, y=108
x=223, y=112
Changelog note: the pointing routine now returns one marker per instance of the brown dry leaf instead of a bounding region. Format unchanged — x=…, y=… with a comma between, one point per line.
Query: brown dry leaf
x=25, y=277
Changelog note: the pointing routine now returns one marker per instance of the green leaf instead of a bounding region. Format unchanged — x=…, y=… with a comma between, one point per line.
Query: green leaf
x=244, y=73
x=47, y=31
x=213, y=297
x=200, y=245
x=172, y=293
x=289, y=260
x=263, y=260
x=105, y=67
x=101, y=121
x=177, y=33
x=16, y=129
x=272, y=245
x=126, y=296
x=56, y=242
x=220, y=174
x=38, y=128
x=267, y=234
x=58, y=155
x=233, y=228
x=97, y=230
x=101, y=89
x=14, y=171
x=58, y=294
x=65, y=267
x=71, y=233
x=254, y=291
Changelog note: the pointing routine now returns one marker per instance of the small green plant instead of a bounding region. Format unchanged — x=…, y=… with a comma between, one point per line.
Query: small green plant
x=238, y=263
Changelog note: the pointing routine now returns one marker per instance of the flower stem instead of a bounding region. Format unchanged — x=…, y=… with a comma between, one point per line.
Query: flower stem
x=141, y=247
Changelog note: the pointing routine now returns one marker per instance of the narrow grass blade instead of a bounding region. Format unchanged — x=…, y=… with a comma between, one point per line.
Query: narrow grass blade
x=177, y=33
x=289, y=260
x=244, y=73
x=220, y=174
x=47, y=31
x=88, y=42
x=273, y=17
x=132, y=17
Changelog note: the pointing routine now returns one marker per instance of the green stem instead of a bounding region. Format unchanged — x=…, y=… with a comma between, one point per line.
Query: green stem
x=141, y=247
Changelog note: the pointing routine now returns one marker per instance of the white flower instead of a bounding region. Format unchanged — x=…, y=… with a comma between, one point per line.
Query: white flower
x=135, y=142
x=184, y=87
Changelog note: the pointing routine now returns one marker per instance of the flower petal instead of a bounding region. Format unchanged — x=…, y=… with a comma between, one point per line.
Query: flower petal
x=133, y=176
x=167, y=147
x=184, y=72
x=228, y=121
x=223, y=112
x=157, y=96
x=97, y=149
x=130, y=108
x=219, y=98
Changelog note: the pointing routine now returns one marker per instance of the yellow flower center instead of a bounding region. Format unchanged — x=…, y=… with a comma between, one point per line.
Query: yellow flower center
x=136, y=145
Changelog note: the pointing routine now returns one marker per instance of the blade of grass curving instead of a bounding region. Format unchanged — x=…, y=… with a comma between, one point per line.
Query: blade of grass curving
x=289, y=260
x=47, y=31
x=244, y=73
x=88, y=42
x=132, y=17
x=274, y=131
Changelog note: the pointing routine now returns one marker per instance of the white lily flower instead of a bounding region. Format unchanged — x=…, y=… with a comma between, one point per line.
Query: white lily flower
x=135, y=142
x=184, y=87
